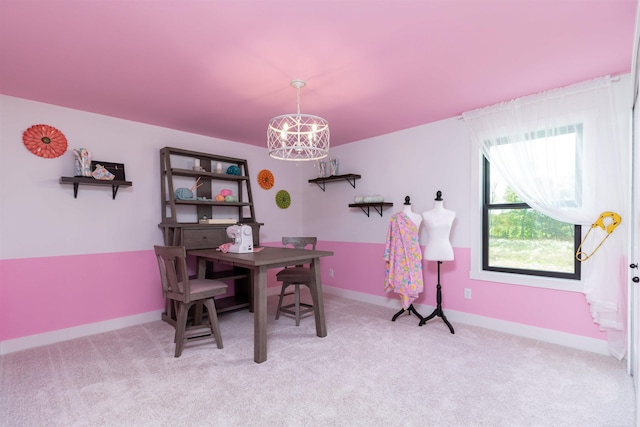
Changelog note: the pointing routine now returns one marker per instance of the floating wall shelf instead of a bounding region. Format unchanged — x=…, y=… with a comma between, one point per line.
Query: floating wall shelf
x=77, y=180
x=350, y=177
x=377, y=206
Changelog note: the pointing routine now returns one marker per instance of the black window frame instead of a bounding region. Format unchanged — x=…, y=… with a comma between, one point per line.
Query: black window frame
x=488, y=206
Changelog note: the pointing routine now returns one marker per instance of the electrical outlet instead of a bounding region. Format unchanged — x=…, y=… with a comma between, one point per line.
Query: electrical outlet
x=467, y=293
x=331, y=272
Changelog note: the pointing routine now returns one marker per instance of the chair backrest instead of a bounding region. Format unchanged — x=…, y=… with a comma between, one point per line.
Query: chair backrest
x=300, y=242
x=172, y=262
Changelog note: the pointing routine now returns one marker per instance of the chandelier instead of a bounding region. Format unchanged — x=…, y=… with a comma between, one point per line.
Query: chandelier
x=298, y=136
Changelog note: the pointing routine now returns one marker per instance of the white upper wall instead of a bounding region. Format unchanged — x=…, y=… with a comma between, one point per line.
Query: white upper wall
x=414, y=162
x=39, y=216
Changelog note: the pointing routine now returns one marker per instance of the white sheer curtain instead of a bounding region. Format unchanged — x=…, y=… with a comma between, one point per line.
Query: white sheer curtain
x=561, y=153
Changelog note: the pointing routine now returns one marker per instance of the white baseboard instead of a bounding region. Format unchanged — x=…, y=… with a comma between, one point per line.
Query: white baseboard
x=555, y=337
x=37, y=340
x=31, y=341
x=562, y=338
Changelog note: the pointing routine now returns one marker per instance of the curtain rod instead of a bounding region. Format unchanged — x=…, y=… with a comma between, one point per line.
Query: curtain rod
x=613, y=79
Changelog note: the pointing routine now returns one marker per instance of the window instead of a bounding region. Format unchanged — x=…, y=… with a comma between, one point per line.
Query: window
x=518, y=239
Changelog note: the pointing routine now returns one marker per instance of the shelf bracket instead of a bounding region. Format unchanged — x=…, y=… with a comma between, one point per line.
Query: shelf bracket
x=377, y=206
x=114, y=190
x=321, y=186
x=367, y=212
x=351, y=181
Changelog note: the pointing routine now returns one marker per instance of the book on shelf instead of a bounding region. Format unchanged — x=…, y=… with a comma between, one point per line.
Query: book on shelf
x=218, y=221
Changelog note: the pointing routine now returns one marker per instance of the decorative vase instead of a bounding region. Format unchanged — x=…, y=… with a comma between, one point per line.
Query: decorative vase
x=322, y=169
x=333, y=166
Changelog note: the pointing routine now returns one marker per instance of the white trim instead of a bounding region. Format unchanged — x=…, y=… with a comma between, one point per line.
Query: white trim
x=476, y=272
x=592, y=345
x=32, y=341
x=561, y=338
x=526, y=280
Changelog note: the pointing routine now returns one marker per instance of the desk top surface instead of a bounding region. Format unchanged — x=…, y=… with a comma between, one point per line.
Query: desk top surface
x=268, y=256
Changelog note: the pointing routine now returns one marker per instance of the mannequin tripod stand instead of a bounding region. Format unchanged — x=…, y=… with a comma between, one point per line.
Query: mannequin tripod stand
x=438, y=311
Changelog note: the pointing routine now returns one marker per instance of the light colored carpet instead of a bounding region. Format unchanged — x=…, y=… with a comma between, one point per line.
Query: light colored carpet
x=368, y=371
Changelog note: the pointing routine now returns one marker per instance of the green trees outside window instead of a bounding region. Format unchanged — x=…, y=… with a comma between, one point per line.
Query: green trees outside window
x=518, y=239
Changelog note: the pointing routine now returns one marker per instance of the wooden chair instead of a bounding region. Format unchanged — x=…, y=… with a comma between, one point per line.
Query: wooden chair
x=295, y=276
x=184, y=293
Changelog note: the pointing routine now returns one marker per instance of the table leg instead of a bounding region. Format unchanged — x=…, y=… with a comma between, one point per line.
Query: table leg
x=316, y=296
x=259, y=282
x=201, y=269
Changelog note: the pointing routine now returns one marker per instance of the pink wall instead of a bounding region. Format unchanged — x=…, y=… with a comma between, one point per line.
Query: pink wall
x=360, y=267
x=40, y=295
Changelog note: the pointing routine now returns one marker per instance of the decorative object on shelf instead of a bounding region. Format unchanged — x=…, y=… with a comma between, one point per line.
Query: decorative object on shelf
x=376, y=198
x=115, y=168
x=45, y=141
x=184, y=194
x=322, y=169
x=298, y=136
x=233, y=170
x=82, y=162
x=218, y=167
x=265, y=179
x=196, y=166
x=102, y=174
x=226, y=195
x=283, y=199
x=333, y=166
x=194, y=187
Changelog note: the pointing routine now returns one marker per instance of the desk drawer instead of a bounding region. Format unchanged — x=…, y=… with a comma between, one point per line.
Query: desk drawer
x=204, y=238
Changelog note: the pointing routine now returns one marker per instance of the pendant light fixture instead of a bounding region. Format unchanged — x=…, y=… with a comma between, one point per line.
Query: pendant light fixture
x=298, y=136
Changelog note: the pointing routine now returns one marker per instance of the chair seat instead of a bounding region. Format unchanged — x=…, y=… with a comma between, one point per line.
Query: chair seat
x=204, y=288
x=294, y=274
x=297, y=276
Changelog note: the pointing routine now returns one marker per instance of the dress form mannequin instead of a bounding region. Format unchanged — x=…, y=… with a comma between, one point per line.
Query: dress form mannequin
x=438, y=221
x=416, y=218
x=411, y=264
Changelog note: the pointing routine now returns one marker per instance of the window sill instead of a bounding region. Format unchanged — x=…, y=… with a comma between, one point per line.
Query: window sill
x=525, y=280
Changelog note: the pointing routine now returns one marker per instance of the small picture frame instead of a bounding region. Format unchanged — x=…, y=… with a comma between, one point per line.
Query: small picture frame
x=115, y=168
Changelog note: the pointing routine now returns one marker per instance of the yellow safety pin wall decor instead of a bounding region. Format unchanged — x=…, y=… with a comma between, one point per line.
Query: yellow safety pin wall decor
x=607, y=221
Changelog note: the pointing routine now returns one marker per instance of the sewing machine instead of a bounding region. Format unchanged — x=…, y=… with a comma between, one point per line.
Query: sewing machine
x=242, y=236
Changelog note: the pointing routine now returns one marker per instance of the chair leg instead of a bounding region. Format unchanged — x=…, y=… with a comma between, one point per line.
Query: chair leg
x=297, y=308
x=284, y=287
x=213, y=321
x=181, y=325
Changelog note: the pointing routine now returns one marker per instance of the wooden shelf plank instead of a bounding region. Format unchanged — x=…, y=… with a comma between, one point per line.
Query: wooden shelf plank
x=86, y=180
x=350, y=178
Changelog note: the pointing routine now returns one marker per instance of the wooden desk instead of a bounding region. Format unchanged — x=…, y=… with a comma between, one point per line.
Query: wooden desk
x=258, y=263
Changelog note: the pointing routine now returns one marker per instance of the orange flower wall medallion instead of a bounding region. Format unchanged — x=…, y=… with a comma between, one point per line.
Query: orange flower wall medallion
x=265, y=179
x=45, y=141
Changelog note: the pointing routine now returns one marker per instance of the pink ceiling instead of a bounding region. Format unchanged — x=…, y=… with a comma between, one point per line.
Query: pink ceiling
x=222, y=68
